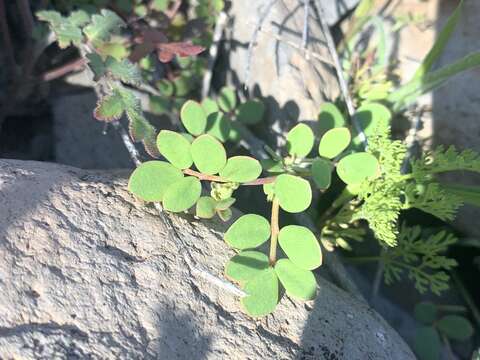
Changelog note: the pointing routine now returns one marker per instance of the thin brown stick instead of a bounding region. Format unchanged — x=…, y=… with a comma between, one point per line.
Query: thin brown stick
x=63, y=70
x=274, y=232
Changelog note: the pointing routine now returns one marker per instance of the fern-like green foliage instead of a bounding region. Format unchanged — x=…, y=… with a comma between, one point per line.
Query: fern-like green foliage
x=443, y=160
x=420, y=258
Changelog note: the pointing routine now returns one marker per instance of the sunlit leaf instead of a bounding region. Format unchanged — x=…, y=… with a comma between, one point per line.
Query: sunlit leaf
x=205, y=207
x=330, y=117
x=175, y=148
x=210, y=106
x=109, y=107
x=151, y=180
x=208, y=154
x=298, y=283
x=248, y=231
x=334, y=142
x=355, y=168
x=300, y=140
x=183, y=194
x=262, y=293
x=241, y=169
x=294, y=193
x=301, y=246
x=246, y=265
x=193, y=117
x=227, y=99
x=218, y=125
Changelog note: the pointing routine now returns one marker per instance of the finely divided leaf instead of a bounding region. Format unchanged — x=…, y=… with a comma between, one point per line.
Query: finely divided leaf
x=103, y=26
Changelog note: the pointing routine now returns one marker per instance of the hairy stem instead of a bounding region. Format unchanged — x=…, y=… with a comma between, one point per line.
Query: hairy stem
x=274, y=232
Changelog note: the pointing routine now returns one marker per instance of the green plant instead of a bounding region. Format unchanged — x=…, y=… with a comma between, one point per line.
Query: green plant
x=198, y=173
x=439, y=322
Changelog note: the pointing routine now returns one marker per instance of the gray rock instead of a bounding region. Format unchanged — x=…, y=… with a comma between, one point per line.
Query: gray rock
x=78, y=136
x=88, y=272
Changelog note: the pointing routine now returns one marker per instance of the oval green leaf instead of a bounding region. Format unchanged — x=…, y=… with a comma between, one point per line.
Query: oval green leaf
x=248, y=231
x=205, y=208
x=182, y=195
x=301, y=246
x=218, y=125
x=208, y=154
x=300, y=140
x=371, y=116
x=334, y=142
x=322, y=173
x=294, y=193
x=262, y=293
x=425, y=312
x=298, y=283
x=246, y=265
x=250, y=112
x=427, y=343
x=193, y=117
x=355, y=168
x=175, y=148
x=227, y=99
x=241, y=169
x=455, y=327
x=210, y=106
x=151, y=180
x=330, y=117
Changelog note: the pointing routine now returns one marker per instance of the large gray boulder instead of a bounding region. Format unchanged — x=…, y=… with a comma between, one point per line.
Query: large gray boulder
x=89, y=272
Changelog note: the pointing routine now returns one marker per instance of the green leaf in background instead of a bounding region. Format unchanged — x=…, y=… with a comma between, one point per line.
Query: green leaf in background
x=205, y=208
x=301, y=246
x=355, y=168
x=425, y=312
x=334, y=142
x=175, y=148
x=262, y=293
x=66, y=31
x=427, y=343
x=294, y=193
x=370, y=117
x=408, y=93
x=166, y=87
x=193, y=117
x=151, y=180
x=109, y=107
x=300, y=140
x=469, y=194
x=439, y=46
x=241, y=169
x=227, y=99
x=246, y=266
x=322, y=173
x=330, y=117
x=251, y=112
x=218, y=125
x=160, y=5
x=210, y=106
x=248, y=231
x=455, y=327
x=123, y=70
x=182, y=195
x=298, y=283
x=159, y=105
x=208, y=154
x=79, y=18
x=103, y=26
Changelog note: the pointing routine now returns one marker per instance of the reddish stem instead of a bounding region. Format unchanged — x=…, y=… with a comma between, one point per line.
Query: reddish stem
x=63, y=70
x=214, y=178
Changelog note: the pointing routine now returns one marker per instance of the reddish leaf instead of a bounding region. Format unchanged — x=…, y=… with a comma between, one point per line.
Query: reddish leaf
x=166, y=51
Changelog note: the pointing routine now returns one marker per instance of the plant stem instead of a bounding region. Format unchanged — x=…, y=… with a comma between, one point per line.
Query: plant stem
x=274, y=232
x=200, y=176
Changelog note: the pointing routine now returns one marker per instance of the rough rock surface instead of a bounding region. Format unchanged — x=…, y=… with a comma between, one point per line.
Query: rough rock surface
x=88, y=272
x=293, y=84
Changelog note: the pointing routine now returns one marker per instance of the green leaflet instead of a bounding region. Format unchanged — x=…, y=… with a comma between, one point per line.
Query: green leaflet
x=427, y=343
x=246, y=265
x=248, y=232
x=294, y=193
x=151, y=180
x=455, y=327
x=182, y=195
x=300, y=140
x=205, y=208
x=330, y=117
x=333, y=142
x=357, y=167
x=301, y=246
x=298, y=283
x=110, y=107
x=208, y=154
x=322, y=173
x=193, y=117
x=251, y=112
x=227, y=99
x=241, y=169
x=262, y=293
x=175, y=148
